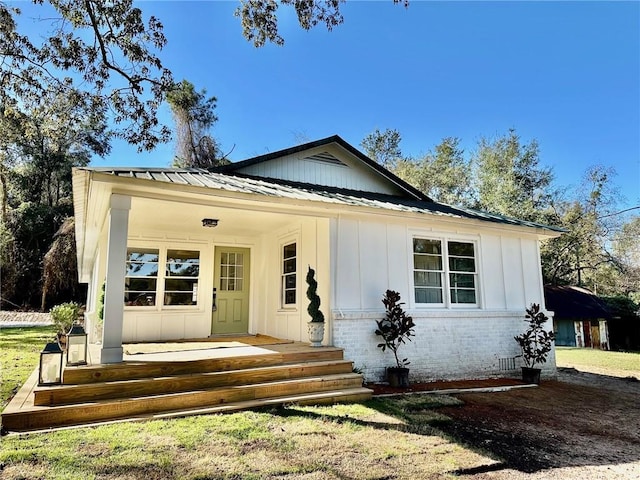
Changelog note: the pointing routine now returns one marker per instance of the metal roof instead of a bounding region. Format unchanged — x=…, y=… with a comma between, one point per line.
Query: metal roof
x=308, y=192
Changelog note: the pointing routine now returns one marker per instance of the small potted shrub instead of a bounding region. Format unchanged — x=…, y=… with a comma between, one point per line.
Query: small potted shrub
x=395, y=329
x=316, y=325
x=535, y=344
x=64, y=316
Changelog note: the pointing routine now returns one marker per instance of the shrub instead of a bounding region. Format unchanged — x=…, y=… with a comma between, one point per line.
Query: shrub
x=396, y=327
x=535, y=343
x=64, y=315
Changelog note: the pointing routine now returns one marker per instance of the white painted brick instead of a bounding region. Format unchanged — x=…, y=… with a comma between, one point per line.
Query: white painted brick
x=446, y=346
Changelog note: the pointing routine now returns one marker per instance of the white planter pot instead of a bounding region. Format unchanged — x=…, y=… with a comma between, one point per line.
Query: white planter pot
x=316, y=333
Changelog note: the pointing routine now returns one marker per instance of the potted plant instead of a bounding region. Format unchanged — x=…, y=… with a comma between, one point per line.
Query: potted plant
x=535, y=344
x=395, y=329
x=316, y=325
x=64, y=316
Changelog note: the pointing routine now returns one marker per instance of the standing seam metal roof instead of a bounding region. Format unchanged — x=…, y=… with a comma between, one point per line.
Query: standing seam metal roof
x=299, y=191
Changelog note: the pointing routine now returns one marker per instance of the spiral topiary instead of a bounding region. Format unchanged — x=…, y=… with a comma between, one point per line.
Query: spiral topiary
x=314, y=300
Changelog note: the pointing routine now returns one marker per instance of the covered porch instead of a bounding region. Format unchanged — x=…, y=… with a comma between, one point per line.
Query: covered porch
x=196, y=265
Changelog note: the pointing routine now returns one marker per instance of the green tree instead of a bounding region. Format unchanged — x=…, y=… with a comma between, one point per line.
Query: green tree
x=37, y=159
x=583, y=255
x=193, y=114
x=509, y=179
x=443, y=173
x=383, y=147
x=101, y=52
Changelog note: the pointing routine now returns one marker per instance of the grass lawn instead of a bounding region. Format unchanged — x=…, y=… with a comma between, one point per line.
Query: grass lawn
x=380, y=439
x=19, y=356
x=383, y=438
x=617, y=364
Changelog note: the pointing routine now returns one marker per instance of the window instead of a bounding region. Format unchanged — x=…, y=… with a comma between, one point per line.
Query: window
x=444, y=272
x=462, y=272
x=181, y=277
x=141, y=277
x=289, y=275
x=231, y=271
x=153, y=278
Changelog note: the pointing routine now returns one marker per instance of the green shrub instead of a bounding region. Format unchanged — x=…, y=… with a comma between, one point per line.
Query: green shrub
x=64, y=315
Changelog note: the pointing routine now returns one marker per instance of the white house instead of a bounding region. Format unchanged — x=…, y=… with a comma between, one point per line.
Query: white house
x=188, y=253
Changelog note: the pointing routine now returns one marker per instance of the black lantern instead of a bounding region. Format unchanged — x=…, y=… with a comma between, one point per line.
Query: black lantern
x=76, y=346
x=50, y=365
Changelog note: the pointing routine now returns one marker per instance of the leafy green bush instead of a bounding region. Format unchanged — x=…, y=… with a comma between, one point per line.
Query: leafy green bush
x=64, y=315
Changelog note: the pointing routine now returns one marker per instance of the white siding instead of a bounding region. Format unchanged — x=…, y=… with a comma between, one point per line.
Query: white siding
x=450, y=343
x=312, y=243
x=351, y=173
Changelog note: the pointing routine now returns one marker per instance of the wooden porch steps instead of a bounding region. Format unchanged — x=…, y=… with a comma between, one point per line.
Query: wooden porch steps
x=117, y=392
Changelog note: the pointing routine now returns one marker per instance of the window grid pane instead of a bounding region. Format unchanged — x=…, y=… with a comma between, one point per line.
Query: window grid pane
x=427, y=271
x=431, y=261
x=231, y=271
x=288, y=276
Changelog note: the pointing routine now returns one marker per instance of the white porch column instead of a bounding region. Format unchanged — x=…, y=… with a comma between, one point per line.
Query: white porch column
x=118, y=227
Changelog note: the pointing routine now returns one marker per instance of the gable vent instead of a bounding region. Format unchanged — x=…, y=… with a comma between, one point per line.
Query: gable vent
x=325, y=157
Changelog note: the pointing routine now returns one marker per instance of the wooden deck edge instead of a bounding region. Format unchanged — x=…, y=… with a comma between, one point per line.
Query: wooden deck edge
x=88, y=392
x=136, y=370
x=350, y=395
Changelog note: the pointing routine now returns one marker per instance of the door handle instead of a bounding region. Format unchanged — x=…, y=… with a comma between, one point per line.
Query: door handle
x=214, y=307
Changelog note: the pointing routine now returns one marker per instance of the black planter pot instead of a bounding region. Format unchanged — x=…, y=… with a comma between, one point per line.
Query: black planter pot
x=398, y=377
x=531, y=375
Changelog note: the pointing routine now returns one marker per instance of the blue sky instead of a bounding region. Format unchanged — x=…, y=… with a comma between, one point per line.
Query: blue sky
x=564, y=73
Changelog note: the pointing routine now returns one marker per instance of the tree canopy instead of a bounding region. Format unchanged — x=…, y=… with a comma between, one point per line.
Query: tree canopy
x=193, y=114
x=505, y=175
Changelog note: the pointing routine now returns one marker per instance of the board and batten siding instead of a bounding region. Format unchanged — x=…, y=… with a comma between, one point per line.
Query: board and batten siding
x=311, y=236
x=309, y=167
x=450, y=343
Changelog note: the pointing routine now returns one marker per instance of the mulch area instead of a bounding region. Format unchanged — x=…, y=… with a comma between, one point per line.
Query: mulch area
x=385, y=389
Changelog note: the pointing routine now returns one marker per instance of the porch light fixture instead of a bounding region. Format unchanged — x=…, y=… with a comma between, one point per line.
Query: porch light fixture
x=210, y=222
x=50, y=372
x=76, y=346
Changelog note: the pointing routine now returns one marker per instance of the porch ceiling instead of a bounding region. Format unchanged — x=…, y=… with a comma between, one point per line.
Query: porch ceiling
x=152, y=215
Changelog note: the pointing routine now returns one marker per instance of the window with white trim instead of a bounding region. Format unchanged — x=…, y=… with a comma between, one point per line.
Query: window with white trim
x=141, y=279
x=157, y=276
x=181, y=277
x=444, y=272
x=289, y=278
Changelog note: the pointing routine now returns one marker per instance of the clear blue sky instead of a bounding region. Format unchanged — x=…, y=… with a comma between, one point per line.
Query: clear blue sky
x=564, y=73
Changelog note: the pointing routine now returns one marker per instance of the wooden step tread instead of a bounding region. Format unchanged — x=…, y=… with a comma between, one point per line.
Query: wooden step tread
x=74, y=394
x=43, y=417
x=346, y=395
x=278, y=355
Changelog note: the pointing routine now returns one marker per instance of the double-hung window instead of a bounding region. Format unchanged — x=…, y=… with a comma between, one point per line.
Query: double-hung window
x=444, y=272
x=181, y=277
x=141, y=278
x=289, y=268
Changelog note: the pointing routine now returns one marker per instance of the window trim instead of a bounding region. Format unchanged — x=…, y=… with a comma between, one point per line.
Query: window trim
x=162, y=277
x=283, y=275
x=444, y=239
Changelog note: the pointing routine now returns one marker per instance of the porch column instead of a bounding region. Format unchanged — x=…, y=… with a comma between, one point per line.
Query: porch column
x=118, y=227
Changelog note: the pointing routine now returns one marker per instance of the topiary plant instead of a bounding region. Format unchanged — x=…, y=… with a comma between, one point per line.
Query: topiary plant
x=314, y=300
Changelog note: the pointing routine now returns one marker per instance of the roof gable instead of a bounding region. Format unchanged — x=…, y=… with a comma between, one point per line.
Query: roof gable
x=330, y=162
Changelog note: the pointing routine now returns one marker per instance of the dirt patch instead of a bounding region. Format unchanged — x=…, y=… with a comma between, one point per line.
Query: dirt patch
x=581, y=426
